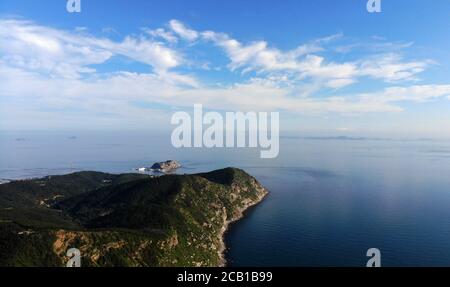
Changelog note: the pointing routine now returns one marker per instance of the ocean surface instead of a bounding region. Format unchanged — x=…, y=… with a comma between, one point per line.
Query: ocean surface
x=331, y=199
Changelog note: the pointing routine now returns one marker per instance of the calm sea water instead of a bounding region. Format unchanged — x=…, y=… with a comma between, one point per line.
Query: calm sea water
x=330, y=200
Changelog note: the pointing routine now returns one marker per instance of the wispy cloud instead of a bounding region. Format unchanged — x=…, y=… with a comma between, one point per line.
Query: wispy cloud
x=305, y=63
x=184, y=32
x=162, y=34
x=70, y=54
x=48, y=71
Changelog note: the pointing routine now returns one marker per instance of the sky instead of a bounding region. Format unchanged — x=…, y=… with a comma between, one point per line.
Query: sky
x=327, y=66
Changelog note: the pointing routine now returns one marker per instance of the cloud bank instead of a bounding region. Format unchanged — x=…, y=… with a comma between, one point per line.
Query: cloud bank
x=47, y=74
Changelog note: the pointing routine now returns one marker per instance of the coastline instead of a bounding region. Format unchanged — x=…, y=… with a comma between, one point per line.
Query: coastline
x=244, y=192
x=239, y=215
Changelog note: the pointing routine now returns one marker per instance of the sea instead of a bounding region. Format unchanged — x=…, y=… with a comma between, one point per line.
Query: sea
x=331, y=198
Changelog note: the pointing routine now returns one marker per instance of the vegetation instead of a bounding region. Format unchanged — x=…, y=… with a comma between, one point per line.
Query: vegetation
x=122, y=220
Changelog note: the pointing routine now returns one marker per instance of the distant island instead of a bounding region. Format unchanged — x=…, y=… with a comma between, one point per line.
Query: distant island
x=123, y=220
x=162, y=167
x=167, y=166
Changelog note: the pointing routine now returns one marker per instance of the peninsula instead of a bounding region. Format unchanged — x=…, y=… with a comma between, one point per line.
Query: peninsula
x=123, y=220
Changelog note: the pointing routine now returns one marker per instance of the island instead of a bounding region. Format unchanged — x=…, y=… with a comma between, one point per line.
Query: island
x=130, y=220
x=161, y=167
x=166, y=167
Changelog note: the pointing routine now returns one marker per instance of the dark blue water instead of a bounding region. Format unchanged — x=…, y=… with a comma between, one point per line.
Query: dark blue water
x=330, y=200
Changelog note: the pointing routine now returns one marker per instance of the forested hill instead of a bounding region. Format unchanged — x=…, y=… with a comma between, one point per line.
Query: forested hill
x=123, y=220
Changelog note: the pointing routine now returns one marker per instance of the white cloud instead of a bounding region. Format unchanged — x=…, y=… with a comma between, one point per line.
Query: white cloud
x=117, y=92
x=162, y=33
x=148, y=52
x=303, y=61
x=381, y=45
x=416, y=93
x=390, y=67
x=183, y=31
x=340, y=83
x=257, y=55
x=46, y=72
x=47, y=50
x=68, y=54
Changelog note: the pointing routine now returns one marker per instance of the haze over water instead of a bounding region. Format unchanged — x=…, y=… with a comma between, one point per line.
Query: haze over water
x=330, y=201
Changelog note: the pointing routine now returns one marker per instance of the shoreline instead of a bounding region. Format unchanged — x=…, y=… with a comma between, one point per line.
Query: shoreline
x=227, y=223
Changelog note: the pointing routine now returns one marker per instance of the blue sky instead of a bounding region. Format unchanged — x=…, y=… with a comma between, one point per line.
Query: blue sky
x=327, y=66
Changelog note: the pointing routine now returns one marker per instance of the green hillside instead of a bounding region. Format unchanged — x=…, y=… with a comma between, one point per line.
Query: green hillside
x=123, y=220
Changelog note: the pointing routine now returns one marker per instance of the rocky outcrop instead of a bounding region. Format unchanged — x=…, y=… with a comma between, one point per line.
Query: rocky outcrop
x=167, y=166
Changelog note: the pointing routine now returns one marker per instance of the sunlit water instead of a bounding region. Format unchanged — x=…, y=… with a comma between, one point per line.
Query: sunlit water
x=330, y=200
